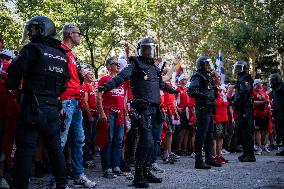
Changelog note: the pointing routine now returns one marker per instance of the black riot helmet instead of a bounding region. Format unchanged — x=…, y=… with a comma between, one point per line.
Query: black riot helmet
x=274, y=80
x=39, y=27
x=146, y=47
x=201, y=63
x=240, y=67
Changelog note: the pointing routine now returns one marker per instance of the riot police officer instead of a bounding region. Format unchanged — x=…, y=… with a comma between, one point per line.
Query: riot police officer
x=243, y=104
x=146, y=82
x=277, y=86
x=42, y=65
x=202, y=89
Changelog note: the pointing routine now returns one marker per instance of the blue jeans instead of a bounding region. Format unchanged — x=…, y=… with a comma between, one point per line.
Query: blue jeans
x=73, y=124
x=111, y=153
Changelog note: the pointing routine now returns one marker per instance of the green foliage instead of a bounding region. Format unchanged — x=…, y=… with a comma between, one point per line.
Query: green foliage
x=241, y=29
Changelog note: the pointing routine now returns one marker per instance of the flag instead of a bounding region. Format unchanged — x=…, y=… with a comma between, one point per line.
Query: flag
x=219, y=66
x=179, y=73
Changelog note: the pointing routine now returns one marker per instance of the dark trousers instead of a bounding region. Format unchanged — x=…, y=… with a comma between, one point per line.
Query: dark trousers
x=149, y=124
x=245, y=126
x=204, y=134
x=279, y=126
x=229, y=136
x=26, y=142
x=89, y=132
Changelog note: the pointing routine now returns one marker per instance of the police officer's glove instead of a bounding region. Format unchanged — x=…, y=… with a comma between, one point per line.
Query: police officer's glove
x=102, y=88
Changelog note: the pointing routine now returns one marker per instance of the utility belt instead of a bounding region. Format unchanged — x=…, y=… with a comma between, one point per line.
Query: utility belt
x=140, y=105
x=39, y=100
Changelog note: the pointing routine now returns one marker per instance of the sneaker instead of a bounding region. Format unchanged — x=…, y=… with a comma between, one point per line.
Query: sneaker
x=83, y=182
x=156, y=168
x=258, y=151
x=174, y=155
x=90, y=164
x=224, y=152
x=192, y=155
x=4, y=183
x=117, y=171
x=266, y=148
x=223, y=159
x=172, y=160
x=166, y=160
x=109, y=174
x=218, y=160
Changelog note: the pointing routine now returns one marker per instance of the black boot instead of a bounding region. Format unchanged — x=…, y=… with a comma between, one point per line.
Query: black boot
x=139, y=179
x=241, y=157
x=280, y=153
x=150, y=177
x=39, y=169
x=250, y=158
x=199, y=164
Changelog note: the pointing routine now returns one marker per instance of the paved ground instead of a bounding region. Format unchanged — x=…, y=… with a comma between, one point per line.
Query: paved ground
x=267, y=172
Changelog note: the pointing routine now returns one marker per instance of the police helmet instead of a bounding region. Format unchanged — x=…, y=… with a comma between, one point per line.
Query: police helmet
x=239, y=67
x=146, y=47
x=39, y=27
x=202, y=61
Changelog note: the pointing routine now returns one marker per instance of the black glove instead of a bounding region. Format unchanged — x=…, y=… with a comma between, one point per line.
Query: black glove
x=102, y=88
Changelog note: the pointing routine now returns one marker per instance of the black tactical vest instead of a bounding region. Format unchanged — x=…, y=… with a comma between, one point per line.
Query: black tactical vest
x=145, y=81
x=49, y=75
x=207, y=89
x=278, y=98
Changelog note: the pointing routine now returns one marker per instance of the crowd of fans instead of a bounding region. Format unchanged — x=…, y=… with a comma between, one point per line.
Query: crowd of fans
x=100, y=125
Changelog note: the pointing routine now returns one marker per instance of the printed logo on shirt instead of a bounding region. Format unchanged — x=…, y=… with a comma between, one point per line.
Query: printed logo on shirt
x=55, y=69
x=55, y=57
x=118, y=92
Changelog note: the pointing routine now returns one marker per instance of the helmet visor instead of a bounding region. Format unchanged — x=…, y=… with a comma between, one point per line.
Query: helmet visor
x=238, y=69
x=30, y=29
x=147, y=50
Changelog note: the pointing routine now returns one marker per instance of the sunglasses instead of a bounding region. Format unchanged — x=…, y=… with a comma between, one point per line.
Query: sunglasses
x=114, y=63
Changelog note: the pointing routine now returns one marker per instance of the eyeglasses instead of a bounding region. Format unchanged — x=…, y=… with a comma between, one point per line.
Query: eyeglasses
x=77, y=33
x=114, y=63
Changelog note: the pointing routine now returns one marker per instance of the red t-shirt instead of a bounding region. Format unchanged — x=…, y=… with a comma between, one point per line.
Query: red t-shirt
x=183, y=98
x=73, y=86
x=127, y=87
x=115, y=98
x=90, y=89
x=5, y=65
x=169, y=99
x=221, y=114
x=260, y=110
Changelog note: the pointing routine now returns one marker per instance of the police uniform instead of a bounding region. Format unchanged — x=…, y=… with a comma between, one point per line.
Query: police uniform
x=202, y=90
x=145, y=81
x=44, y=70
x=243, y=104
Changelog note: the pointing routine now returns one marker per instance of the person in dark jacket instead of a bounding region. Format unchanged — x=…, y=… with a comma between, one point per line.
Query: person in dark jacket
x=146, y=83
x=42, y=66
x=277, y=86
x=243, y=104
x=202, y=89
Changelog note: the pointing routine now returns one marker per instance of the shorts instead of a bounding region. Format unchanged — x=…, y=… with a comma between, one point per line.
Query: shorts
x=219, y=130
x=184, y=121
x=261, y=123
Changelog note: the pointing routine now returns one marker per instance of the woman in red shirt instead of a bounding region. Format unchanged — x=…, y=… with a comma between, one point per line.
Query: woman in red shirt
x=220, y=122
